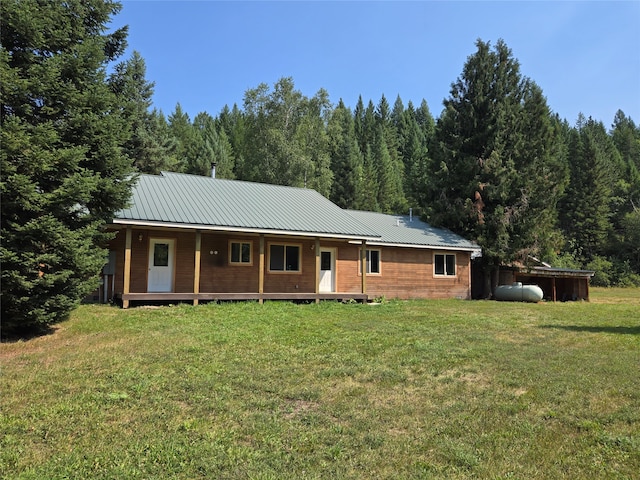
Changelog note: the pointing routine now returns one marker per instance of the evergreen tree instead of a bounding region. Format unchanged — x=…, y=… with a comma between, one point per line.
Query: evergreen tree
x=232, y=123
x=391, y=169
x=414, y=151
x=199, y=153
x=390, y=195
x=358, y=124
x=148, y=150
x=346, y=158
x=485, y=144
x=223, y=156
x=64, y=174
x=368, y=195
x=541, y=178
x=586, y=208
x=209, y=146
x=159, y=152
x=184, y=138
x=626, y=137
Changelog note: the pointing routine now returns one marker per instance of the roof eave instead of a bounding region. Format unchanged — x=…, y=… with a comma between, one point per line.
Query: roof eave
x=378, y=243
x=231, y=228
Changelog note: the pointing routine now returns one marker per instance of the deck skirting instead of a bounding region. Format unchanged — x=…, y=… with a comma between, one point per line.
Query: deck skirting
x=196, y=297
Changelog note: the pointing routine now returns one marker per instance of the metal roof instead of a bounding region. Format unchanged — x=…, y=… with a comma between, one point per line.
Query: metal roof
x=556, y=272
x=402, y=230
x=193, y=201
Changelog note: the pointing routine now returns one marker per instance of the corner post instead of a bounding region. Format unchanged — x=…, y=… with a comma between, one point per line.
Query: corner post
x=261, y=270
x=127, y=269
x=196, y=268
x=317, y=248
x=363, y=265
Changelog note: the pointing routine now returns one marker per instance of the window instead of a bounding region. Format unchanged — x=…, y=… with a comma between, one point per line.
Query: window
x=161, y=255
x=284, y=258
x=444, y=265
x=240, y=253
x=373, y=262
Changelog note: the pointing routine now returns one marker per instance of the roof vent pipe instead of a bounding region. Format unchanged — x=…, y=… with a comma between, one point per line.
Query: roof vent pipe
x=411, y=214
x=213, y=170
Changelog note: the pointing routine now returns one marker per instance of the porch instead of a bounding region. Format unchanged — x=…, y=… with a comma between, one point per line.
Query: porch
x=227, y=266
x=259, y=297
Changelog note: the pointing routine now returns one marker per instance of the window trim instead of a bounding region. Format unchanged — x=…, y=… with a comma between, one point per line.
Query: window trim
x=444, y=259
x=368, y=262
x=241, y=263
x=285, y=245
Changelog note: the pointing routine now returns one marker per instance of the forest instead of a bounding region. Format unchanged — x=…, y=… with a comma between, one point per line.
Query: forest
x=496, y=166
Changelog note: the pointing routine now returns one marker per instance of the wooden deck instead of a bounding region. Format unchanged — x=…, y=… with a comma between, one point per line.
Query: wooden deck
x=260, y=297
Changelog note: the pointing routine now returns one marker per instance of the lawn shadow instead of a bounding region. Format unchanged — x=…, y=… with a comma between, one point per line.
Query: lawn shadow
x=597, y=329
x=13, y=336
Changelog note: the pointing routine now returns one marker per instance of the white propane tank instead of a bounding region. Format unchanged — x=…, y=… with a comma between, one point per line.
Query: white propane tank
x=517, y=292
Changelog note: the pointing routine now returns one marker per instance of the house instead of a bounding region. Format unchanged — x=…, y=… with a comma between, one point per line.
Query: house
x=194, y=238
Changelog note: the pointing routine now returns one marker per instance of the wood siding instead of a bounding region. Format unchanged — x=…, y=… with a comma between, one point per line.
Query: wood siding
x=405, y=272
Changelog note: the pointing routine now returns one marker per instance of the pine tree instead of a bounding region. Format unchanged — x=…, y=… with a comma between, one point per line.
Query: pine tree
x=368, y=195
x=63, y=170
x=390, y=195
x=148, y=150
x=346, y=158
x=414, y=151
x=159, y=152
x=626, y=137
x=485, y=145
x=586, y=207
x=184, y=137
x=232, y=123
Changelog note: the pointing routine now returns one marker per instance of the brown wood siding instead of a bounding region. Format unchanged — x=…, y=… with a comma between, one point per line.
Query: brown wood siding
x=292, y=282
x=405, y=273
x=184, y=259
x=218, y=275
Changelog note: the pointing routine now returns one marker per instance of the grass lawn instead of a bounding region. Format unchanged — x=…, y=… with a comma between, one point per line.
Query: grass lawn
x=424, y=389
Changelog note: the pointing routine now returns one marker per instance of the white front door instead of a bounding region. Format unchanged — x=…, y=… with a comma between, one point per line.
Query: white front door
x=327, y=270
x=161, y=252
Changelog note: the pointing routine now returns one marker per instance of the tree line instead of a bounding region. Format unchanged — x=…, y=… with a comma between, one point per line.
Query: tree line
x=496, y=166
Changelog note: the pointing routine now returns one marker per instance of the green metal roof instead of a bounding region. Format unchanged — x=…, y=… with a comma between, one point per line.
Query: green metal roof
x=192, y=201
x=204, y=202
x=401, y=230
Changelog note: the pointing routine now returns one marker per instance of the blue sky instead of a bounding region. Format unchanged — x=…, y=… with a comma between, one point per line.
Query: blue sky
x=585, y=55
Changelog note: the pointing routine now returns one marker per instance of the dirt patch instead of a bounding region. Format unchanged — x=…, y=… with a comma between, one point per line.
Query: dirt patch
x=297, y=408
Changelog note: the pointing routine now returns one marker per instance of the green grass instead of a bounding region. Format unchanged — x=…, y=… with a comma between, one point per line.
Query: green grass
x=425, y=389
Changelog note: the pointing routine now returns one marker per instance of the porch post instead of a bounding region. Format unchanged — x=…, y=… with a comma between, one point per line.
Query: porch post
x=127, y=268
x=261, y=269
x=586, y=281
x=470, y=279
x=196, y=268
x=553, y=289
x=317, y=248
x=363, y=265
